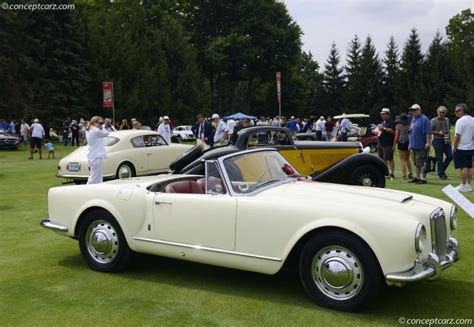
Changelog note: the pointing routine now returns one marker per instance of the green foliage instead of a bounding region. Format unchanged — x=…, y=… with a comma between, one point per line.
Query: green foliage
x=333, y=82
x=391, y=75
x=410, y=75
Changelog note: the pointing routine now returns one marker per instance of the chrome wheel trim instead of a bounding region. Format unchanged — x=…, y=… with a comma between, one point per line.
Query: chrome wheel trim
x=367, y=181
x=337, y=273
x=102, y=241
x=124, y=171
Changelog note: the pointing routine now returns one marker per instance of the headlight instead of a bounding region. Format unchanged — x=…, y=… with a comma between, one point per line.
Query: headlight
x=453, y=218
x=420, y=238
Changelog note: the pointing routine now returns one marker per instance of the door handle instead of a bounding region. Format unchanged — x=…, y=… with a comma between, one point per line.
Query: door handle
x=162, y=202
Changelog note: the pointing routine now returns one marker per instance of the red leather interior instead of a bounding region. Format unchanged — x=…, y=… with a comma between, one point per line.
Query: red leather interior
x=214, y=184
x=184, y=187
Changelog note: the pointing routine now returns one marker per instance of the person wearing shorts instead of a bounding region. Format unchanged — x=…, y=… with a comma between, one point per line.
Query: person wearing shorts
x=401, y=139
x=419, y=140
x=37, y=136
x=463, y=147
x=386, y=139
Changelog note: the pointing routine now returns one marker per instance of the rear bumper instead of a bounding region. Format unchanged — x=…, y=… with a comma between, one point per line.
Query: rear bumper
x=46, y=223
x=431, y=268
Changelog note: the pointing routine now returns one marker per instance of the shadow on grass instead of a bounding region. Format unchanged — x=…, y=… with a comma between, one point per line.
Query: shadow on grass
x=414, y=300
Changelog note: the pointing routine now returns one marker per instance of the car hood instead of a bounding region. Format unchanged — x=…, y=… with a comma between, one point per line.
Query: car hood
x=358, y=197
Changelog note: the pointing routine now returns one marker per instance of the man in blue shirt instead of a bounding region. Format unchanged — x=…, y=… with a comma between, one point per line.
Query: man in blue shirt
x=420, y=142
x=293, y=125
x=345, y=128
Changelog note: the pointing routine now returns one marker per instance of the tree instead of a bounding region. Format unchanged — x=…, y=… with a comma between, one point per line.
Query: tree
x=371, y=78
x=333, y=81
x=460, y=42
x=308, y=69
x=411, y=68
x=354, y=87
x=436, y=75
x=391, y=75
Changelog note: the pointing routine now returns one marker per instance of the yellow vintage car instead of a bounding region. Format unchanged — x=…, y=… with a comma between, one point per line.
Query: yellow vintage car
x=335, y=162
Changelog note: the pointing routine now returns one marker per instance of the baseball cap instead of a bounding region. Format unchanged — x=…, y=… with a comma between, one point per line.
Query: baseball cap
x=385, y=111
x=36, y=120
x=415, y=106
x=215, y=116
x=166, y=118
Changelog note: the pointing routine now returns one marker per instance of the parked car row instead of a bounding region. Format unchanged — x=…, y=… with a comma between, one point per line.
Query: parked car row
x=9, y=140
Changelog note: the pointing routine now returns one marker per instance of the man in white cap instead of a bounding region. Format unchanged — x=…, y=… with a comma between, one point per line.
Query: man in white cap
x=221, y=130
x=37, y=137
x=165, y=129
x=386, y=138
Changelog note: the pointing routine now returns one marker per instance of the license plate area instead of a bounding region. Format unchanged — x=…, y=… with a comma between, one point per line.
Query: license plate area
x=73, y=166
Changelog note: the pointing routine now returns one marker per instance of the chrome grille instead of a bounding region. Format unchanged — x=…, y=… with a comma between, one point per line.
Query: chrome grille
x=439, y=236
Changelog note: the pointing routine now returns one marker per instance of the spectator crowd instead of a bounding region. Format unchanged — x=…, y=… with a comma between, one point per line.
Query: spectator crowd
x=412, y=133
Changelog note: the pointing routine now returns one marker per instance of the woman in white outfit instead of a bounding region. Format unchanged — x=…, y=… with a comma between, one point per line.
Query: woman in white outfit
x=95, y=134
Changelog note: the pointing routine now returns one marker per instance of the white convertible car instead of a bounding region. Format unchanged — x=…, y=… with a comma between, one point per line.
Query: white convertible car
x=129, y=153
x=251, y=211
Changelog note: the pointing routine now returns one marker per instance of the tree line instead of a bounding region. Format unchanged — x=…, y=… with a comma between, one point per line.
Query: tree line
x=184, y=57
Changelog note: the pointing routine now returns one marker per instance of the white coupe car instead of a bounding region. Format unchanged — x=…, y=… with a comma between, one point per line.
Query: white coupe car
x=251, y=211
x=129, y=153
x=183, y=133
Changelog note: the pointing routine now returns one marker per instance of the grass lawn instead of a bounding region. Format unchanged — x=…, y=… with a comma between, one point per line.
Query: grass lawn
x=44, y=281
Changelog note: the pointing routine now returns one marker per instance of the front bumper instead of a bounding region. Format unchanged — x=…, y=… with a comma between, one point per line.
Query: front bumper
x=46, y=223
x=431, y=268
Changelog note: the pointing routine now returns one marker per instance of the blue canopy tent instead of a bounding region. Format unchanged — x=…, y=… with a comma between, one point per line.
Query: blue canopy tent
x=239, y=116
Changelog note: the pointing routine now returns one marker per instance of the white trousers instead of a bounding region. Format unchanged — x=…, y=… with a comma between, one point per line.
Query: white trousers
x=95, y=175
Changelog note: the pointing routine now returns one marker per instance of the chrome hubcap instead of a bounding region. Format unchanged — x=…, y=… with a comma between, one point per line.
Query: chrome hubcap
x=337, y=272
x=102, y=241
x=125, y=172
x=366, y=181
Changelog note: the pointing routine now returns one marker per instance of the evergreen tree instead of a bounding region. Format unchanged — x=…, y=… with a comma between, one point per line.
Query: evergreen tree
x=333, y=81
x=411, y=70
x=308, y=69
x=354, y=85
x=371, y=78
x=436, y=75
x=391, y=74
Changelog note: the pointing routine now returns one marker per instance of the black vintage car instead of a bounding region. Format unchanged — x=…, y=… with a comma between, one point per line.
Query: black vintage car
x=335, y=162
x=9, y=140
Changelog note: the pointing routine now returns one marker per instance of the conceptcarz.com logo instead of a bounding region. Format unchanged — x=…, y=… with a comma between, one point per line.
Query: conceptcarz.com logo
x=37, y=6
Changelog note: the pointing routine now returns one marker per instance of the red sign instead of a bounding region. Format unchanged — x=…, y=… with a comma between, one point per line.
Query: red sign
x=108, y=91
x=278, y=80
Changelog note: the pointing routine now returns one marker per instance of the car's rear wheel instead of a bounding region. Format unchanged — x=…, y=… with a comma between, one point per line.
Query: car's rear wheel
x=339, y=271
x=125, y=170
x=102, y=242
x=368, y=175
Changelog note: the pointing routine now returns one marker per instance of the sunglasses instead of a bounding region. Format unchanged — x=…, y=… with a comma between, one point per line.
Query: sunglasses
x=100, y=122
x=458, y=110
x=412, y=109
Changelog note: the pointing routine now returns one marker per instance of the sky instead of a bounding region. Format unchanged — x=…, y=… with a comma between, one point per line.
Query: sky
x=327, y=21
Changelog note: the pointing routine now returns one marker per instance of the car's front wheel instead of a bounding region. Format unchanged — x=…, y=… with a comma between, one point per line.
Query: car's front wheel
x=339, y=271
x=368, y=175
x=373, y=147
x=102, y=242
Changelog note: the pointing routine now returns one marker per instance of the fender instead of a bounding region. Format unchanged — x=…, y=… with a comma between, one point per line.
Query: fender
x=340, y=172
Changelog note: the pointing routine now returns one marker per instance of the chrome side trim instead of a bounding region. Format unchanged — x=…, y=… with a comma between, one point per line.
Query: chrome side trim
x=80, y=176
x=407, y=198
x=46, y=223
x=204, y=248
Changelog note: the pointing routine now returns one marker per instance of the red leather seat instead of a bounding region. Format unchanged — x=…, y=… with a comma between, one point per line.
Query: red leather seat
x=190, y=187
x=214, y=184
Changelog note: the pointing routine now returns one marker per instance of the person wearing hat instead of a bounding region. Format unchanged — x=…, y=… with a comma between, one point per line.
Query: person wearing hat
x=386, y=140
x=221, y=129
x=401, y=141
x=37, y=136
x=419, y=142
x=442, y=141
x=164, y=130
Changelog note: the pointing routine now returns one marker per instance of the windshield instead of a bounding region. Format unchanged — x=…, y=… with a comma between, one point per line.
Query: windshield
x=252, y=171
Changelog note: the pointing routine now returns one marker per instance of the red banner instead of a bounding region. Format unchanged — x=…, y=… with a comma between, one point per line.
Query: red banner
x=108, y=92
x=278, y=80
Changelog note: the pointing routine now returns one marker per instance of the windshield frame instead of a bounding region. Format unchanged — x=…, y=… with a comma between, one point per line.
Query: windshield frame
x=228, y=182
